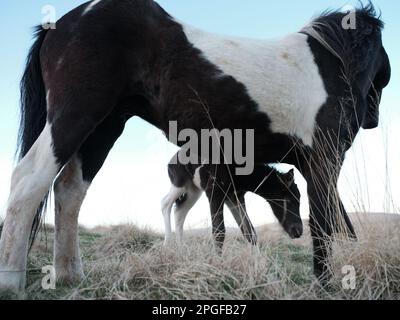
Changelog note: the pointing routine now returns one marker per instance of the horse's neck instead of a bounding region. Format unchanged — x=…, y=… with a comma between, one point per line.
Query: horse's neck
x=261, y=181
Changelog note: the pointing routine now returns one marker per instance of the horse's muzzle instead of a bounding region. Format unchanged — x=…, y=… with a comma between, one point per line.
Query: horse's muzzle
x=296, y=231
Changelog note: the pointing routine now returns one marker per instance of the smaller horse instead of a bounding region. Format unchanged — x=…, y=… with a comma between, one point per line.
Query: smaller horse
x=190, y=181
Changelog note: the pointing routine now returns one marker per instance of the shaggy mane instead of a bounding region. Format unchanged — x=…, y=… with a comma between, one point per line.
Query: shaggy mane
x=350, y=46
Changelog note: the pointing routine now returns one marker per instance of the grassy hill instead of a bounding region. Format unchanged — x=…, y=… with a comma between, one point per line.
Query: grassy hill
x=127, y=263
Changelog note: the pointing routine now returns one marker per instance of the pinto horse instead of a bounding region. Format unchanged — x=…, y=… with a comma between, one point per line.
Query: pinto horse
x=305, y=95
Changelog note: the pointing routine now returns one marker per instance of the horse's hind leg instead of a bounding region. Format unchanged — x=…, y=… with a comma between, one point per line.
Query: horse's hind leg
x=70, y=190
x=31, y=180
x=68, y=127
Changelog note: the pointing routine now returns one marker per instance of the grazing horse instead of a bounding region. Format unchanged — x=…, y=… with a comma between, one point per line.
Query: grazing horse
x=305, y=95
x=190, y=181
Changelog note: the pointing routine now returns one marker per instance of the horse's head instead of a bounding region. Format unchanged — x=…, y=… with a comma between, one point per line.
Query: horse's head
x=382, y=72
x=373, y=61
x=364, y=60
x=286, y=204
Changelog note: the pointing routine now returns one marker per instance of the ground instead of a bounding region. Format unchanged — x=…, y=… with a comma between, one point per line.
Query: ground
x=127, y=263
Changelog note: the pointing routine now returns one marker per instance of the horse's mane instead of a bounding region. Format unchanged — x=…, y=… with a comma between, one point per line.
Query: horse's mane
x=350, y=46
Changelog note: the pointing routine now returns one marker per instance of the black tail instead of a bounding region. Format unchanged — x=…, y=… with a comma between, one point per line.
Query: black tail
x=33, y=110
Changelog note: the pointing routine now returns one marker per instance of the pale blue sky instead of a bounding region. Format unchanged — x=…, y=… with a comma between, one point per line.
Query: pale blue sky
x=254, y=18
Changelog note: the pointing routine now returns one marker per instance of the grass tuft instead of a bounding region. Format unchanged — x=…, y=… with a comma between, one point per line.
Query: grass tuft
x=127, y=263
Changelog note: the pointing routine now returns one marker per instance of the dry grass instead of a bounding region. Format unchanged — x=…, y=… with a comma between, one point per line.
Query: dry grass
x=126, y=263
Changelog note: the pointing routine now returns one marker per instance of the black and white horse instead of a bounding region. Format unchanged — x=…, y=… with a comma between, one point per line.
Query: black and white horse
x=306, y=96
x=190, y=181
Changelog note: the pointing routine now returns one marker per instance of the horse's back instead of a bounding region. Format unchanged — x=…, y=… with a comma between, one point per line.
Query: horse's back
x=281, y=76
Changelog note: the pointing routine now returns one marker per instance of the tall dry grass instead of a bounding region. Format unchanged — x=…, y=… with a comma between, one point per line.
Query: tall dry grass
x=127, y=263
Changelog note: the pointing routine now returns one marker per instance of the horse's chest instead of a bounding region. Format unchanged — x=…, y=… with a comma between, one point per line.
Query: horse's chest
x=280, y=76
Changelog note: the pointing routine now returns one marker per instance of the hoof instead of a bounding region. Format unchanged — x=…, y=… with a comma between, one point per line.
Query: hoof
x=11, y=295
x=11, y=282
x=352, y=237
x=324, y=276
x=168, y=243
x=69, y=278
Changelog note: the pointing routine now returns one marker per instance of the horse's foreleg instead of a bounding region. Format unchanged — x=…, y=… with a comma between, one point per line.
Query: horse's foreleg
x=166, y=208
x=31, y=180
x=239, y=212
x=321, y=169
x=325, y=216
x=320, y=224
x=325, y=175
x=69, y=190
x=326, y=209
x=216, y=200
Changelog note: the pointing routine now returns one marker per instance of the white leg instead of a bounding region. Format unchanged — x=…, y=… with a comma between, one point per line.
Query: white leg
x=181, y=212
x=70, y=191
x=167, y=204
x=31, y=181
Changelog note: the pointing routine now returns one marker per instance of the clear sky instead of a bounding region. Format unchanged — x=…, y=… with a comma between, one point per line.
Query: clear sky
x=134, y=179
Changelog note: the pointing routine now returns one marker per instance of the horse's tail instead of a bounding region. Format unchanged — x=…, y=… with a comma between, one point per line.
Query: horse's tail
x=33, y=98
x=33, y=111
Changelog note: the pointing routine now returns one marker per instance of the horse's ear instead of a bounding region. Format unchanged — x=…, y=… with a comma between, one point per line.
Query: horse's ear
x=289, y=178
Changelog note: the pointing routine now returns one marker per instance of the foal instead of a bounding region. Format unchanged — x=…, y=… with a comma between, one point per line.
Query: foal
x=189, y=182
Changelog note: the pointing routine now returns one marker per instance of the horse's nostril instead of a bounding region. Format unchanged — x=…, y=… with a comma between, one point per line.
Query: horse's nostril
x=296, y=231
